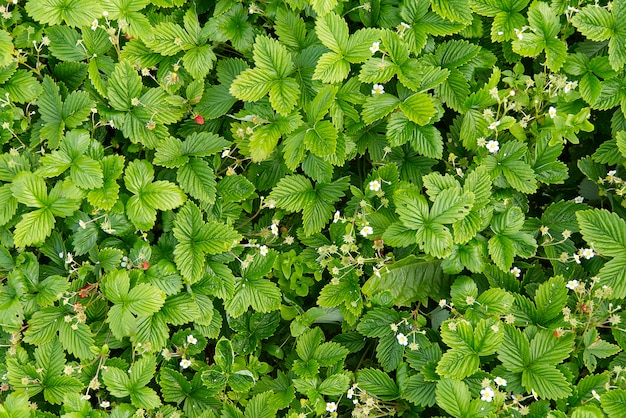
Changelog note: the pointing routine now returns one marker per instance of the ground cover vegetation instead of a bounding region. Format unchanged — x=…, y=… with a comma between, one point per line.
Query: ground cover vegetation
x=309, y=208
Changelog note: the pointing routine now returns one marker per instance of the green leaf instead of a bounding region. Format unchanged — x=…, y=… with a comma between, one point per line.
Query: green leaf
x=144, y=299
x=76, y=341
x=332, y=31
x=117, y=381
x=321, y=139
x=148, y=197
x=198, y=179
x=196, y=239
x=613, y=402
x=546, y=26
x=453, y=396
x=50, y=108
x=514, y=352
x=174, y=387
x=56, y=388
x=30, y=190
x=124, y=85
x=603, y=230
x=6, y=48
x=260, y=294
x=454, y=10
x=550, y=298
x=54, y=12
x=199, y=61
x=234, y=188
x=331, y=68
x=594, y=22
x=34, y=227
x=547, y=381
x=378, y=383
x=106, y=196
x=65, y=45
x=418, y=108
x=408, y=280
x=293, y=193
x=378, y=106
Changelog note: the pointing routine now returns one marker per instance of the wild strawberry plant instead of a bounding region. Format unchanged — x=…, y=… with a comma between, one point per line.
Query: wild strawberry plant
x=312, y=208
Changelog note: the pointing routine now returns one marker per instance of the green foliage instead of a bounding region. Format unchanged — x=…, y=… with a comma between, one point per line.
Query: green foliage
x=312, y=208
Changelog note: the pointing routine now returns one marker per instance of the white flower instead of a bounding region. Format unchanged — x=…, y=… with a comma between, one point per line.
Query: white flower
x=336, y=217
x=191, y=339
x=105, y=13
x=94, y=24
x=577, y=258
x=572, y=284
x=375, y=47
x=443, y=303
x=82, y=224
x=184, y=363
x=587, y=253
x=350, y=393
x=105, y=404
x=367, y=230
x=402, y=339
x=274, y=229
x=487, y=394
x=61, y=255
x=516, y=271
x=552, y=112
x=374, y=185
x=493, y=146
x=500, y=381
x=378, y=89
x=494, y=125
x=263, y=250
x=85, y=397
x=569, y=86
x=595, y=395
x=405, y=25
x=331, y=406
x=225, y=153
x=459, y=172
x=519, y=34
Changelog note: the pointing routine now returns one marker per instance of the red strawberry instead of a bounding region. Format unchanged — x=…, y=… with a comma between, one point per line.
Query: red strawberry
x=145, y=265
x=199, y=120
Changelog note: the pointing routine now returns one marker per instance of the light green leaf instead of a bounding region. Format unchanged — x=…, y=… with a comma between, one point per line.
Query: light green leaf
x=199, y=61
x=34, y=227
x=293, y=193
x=454, y=10
x=454, y=397
x=378, y=383
x=73, y=13
x=613, y=402
x=331, y=68
x=198, y=179
x=594, y=22
x=408, y=280
x=378, y=106
x=418, y=108
x=603, y=230
x=124, y=85
x=332, y=31
x=234, y=188
x=321, y=139
x=547, y=381
x=260, y=294
x=144, y=299
x=6, y=48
